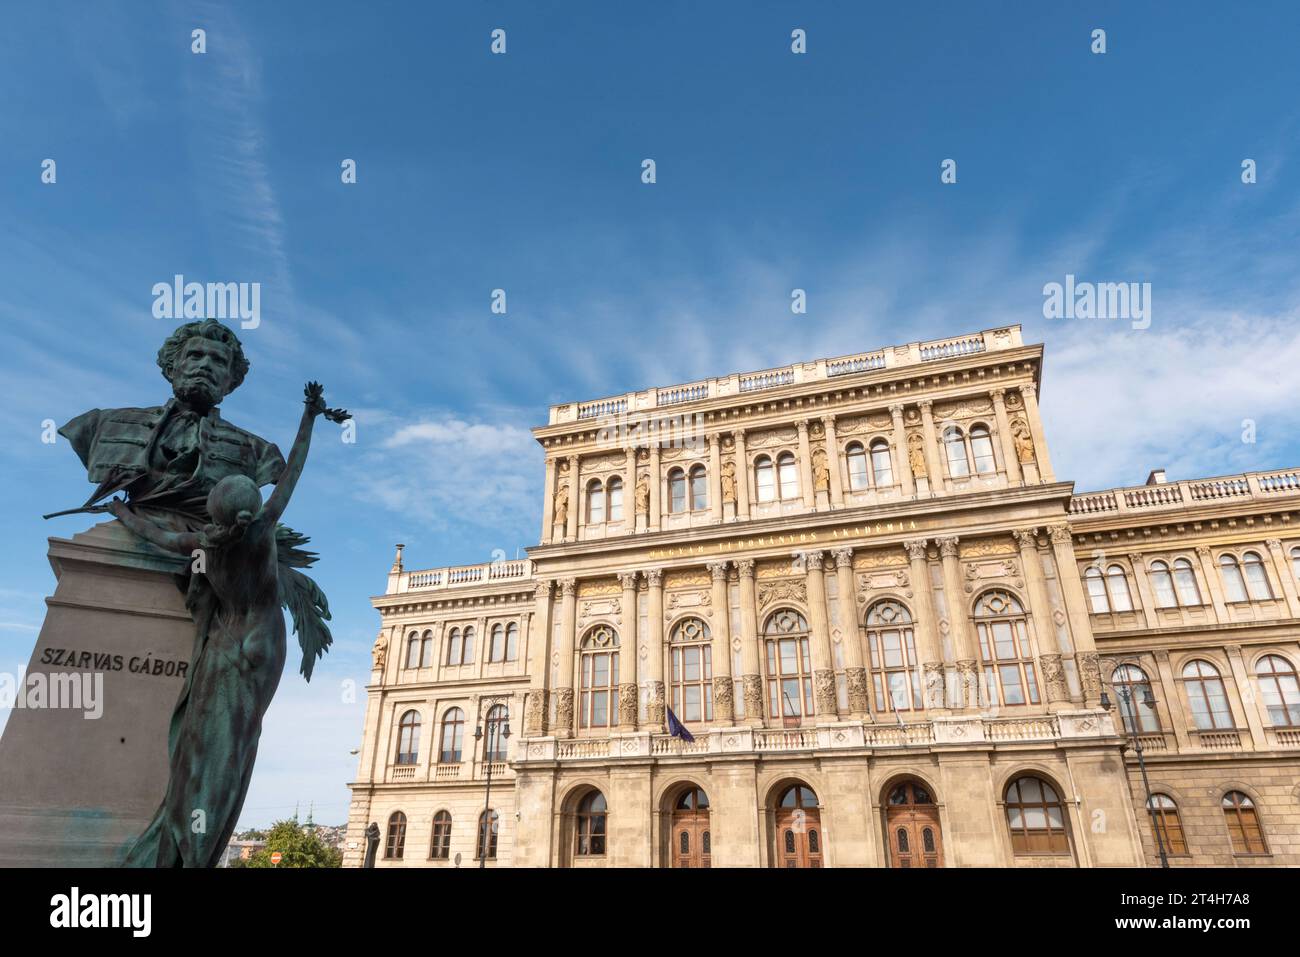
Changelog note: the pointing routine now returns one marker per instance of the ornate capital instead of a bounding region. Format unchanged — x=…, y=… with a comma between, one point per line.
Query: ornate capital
x=1204, y=552
x=738, y=435
x=1028, y=390
x=655, y=577
x=718, y=570
x=948, y=546
x=1026, y=538
x=628, y=580
x=568, y=587
x=843, y=556
x=802, y=426
x=896, y=409
x=1274, y=543
x=916, y=549
x=543, y=588
x=1061, y=534
x=813, y=560
x=828, y=420
x=998, y=393
x=926, y=405
x=746, y=567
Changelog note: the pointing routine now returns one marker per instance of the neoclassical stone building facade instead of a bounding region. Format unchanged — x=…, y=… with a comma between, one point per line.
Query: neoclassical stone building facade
x=895, y=637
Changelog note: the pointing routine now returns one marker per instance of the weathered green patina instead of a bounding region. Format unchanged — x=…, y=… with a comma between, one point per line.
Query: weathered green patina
x=191, y=484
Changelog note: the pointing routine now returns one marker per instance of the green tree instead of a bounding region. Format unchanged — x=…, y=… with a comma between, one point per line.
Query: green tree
x=299, y=847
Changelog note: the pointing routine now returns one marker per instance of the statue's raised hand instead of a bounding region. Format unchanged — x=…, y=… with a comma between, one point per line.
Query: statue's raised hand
x=315, y=393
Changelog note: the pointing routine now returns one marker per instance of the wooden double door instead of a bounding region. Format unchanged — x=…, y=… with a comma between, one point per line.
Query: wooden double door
x=690, y=842
x=912, y=822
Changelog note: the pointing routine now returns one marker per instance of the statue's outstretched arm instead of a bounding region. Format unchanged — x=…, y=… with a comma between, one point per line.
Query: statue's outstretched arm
x=183, y=543
x=314, y=406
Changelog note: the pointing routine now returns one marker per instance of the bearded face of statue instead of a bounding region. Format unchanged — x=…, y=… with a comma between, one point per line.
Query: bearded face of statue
x=201, y=372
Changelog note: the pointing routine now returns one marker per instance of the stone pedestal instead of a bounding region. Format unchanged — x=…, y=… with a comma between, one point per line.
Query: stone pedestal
x=75, y=789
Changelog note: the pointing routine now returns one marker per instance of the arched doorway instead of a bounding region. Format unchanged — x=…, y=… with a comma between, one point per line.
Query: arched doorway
x=690, y=840
x=912, y=823
x=798, y=828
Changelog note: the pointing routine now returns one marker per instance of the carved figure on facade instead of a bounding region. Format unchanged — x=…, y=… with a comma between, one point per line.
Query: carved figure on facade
x=643, y=494
x=564, y=710
x=753, y=685
x=824, y=687
x=1024, y=440
x=561, y=512
x=856, y=679
x=821, y=474
x=784, y=589
x=729, y=482
x=380, y=651
x=1054, y=677
x=916, y=454
x=723, y=695
x=933, y=681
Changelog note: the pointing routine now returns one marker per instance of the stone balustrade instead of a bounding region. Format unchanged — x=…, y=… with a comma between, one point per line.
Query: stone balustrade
x=746, y=383
x=461, y=576
x=1174, y=496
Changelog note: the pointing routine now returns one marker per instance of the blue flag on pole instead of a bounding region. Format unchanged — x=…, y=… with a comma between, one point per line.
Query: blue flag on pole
x=676, y=729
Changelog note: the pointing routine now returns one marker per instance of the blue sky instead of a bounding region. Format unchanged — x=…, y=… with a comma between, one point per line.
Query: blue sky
x=522, y=172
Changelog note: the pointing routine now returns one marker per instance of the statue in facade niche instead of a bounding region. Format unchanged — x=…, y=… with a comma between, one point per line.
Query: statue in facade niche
x=729, y=482
x=821, y=474
x=643, y=494
x=190, y=484
x=916, y=454
x=380, y=650
x=561, y=513
x=1024, y=440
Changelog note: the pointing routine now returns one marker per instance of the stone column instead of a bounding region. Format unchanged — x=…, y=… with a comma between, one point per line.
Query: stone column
x=1213, y=583
x=724, y=711
x=966, y=695
x=750, y=658
x=742, y=476
x=900, y=460
x=539, y=665
x=833, y=461
x=575, y=503
x=1168, y=696
x=823, y=660
x=928, y=647
x=715, y=477
x=855, y=672
x=1076, y=609
x=548, y=502
x=1053, y=688
x=629, y=490
x=564, y=682
x=1005, y=439
x=1246, y=699
x=1284, y=575
x=1028, y=393
x=933, y=466
x=628, y=697
x=656, y=480
x=805, y=466
x=654, y=641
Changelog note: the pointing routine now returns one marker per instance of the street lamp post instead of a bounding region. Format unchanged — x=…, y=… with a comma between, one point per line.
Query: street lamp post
x=502, y=728
x=1129, y=710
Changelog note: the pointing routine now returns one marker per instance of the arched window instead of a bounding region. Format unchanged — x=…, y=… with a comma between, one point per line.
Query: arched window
x=692, y=671
x=467, y=646
x=954, y=445
x=426, y=650
x=1163, y=583
x=396, y=837
x=798, y=796
x=788, y=475
x=1234, y=585
x=882, y=468
x=1133, y=690
x=1117, y=588
x=497, y=643
x=1206, y=695
x=1004, y=645
x=894, y=668
x=1279, y=689
x=1096, y=584
x=408, y=738
x=440, y=846
x=1036, y=818
x=598, y=703
x=413, y=651
x=1185, y=581
x=595, y=502
x=692, y=799
x=1243, y=824
x=614, y=499
x=512, y=642
x=981, y=447
x=789, y=668
x=764, y=479
x=494, y=744
x=453, y=647
x=453, y=737
x=1164, y=816
x=488, y=824
x=589, y=826
x=856, y=458
x=1257, y=585
x=699, y=489
x=676, y=491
